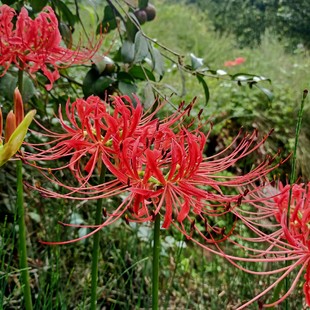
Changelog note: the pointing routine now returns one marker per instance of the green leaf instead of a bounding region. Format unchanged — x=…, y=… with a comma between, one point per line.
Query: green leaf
x=102, y=84
x=8, y=84
x=37, y=5
x=66, y=34
x=131, y=28
x=94, y=84
x=196, y=62
x=128, y=51
x=8, y=2
x=66, y=13
x=174, y=91
x=149, y=97
x=89, y=82
x=143, y=4
x=141, y=73
x=10, y=148
x=28, y=89
x=205, y=87
x=125, y=77
x=266, y=91
x=109, y=20
x=158, y=63
x=127, y=88
x=141, y=47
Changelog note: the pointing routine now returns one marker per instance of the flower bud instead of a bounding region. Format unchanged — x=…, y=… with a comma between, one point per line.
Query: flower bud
x=10, y=125
x=18, y=106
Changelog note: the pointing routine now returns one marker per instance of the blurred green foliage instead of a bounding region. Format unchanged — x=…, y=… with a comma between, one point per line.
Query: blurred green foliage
x=248, y=20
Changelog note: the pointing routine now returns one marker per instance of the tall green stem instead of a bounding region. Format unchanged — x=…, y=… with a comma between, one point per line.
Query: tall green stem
x=95, y=253
x=21, y=220
x=297, y=133
x=22, y=236
x=293, y=175
x=156, y=252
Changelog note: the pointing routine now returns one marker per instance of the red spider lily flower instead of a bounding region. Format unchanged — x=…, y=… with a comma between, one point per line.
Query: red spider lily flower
x=173, y=167
x=287, y=239
x=296, y=232
x=94, y=132
x=32, y=45
x=158, y=165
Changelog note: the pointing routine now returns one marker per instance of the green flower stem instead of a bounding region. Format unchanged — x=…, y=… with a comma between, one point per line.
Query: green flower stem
x=156, y=252
x=95, y=253
x=22, y=236
x=294, y=159
x=20, y=79
x=293, y=175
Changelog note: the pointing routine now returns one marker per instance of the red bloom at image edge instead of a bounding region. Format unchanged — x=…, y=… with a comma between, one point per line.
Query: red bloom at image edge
x=32, y=45
x=297, y=232
x=285, y=214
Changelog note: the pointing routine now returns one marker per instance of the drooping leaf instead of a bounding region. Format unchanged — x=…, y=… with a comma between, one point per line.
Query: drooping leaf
x=205, y=87
x=266, y=91
x=141, y=73
x=174, y=91
x=128, y=51
x=66, y=34
x=141, y=47
x=131, y=28
x=127, y=88
x=10, y=148
x=196, y=62
x=66, y=13
x=149, y=97
x=158, y=62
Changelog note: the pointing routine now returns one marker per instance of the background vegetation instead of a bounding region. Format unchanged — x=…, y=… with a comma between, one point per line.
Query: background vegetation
x=272, y=37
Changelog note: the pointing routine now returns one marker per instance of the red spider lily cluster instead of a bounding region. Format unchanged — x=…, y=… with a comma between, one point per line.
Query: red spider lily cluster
x=32, y=45
x=157, y=166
